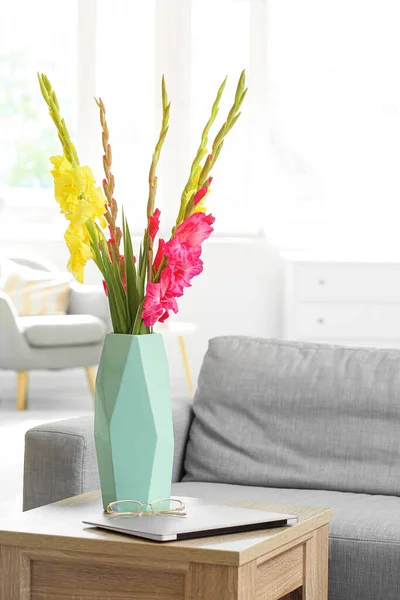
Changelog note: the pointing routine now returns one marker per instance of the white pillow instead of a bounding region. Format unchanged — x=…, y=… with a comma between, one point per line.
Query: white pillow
x=35, y=292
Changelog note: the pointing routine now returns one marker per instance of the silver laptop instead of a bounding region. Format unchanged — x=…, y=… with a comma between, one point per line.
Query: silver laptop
x=201, y=520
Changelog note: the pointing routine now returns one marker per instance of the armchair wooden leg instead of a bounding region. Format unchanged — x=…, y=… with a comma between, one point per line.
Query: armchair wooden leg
x=91, y=375
x=22, y=389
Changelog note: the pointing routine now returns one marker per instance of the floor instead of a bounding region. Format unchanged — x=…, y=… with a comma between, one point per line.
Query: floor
x=52, y=396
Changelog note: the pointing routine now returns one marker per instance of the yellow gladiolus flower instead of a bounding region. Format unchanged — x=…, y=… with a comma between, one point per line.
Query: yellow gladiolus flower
x=80, y=201
x=78, y=242
x=201, y=207
x=195, y=181
x=75, y=191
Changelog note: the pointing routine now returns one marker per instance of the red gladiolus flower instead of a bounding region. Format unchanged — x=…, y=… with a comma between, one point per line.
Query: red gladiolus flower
x=154, y=224
x=109, y=244
x=105, y=288
x=199, y=195
x=159, y=255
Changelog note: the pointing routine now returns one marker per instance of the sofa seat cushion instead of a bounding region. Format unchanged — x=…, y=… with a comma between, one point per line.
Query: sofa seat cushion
x=276, y=413
x=62, y=330
x=364, y=548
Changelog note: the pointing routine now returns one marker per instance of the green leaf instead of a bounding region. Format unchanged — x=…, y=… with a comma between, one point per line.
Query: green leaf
x=102, y=264
x=116, y=315
x=132, y=294
x=240, y=86
x=116, y=291
x=233, y=122
x=142, y=267
x=120, y=295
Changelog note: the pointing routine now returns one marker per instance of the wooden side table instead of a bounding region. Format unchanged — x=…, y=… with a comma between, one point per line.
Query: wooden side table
x=48, y=554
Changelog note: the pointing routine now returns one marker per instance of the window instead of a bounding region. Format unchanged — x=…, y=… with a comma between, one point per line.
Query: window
x=119, y=50
x=27, y=136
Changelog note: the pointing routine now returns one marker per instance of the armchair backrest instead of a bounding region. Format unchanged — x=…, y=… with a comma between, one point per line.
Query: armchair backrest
x=40, y=265
x=35, y=286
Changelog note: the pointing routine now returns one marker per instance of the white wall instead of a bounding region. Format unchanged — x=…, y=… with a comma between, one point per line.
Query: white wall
x=239, y=292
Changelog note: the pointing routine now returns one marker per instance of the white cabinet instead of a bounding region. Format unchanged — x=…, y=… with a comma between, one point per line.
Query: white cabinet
x=335, y=301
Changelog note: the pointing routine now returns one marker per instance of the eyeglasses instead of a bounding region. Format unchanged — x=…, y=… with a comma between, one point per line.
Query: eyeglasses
x=158, y=507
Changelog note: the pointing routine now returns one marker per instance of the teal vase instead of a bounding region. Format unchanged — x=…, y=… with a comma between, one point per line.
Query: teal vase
x=133, y=419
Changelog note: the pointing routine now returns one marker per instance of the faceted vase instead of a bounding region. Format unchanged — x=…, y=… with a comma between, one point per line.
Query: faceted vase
x=133, y=419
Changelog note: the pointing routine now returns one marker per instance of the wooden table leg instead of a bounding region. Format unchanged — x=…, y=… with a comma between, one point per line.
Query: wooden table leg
x=315, y=585
x=14, y=574
x=186, y=364
x=216, y=582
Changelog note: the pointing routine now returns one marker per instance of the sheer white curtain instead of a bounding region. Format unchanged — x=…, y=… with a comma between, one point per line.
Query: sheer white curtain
x=315, y=157
x=195, y=43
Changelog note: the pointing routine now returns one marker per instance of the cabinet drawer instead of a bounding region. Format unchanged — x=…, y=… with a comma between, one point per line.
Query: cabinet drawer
x=355, y=321
x=347, y=282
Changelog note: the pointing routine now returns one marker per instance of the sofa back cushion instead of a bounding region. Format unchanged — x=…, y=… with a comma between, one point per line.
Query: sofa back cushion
x=297, y=415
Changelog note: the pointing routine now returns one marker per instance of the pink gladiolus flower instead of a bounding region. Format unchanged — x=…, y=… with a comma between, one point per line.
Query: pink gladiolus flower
x=154, y=224
x=183, y=252
x=185, y=263
x=152, y=309
x=174, y=250
x=195, y=229
x=183, y=274
x=159, y=301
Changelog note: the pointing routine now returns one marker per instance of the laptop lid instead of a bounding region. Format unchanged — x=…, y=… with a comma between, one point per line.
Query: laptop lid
x=200, y=521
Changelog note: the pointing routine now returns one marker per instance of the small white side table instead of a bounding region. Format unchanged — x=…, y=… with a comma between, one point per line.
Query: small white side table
x=179, y=329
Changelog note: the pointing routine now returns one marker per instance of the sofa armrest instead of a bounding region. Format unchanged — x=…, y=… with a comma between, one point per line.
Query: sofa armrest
x=60, y=457
x=89, y=300
x=60, y=461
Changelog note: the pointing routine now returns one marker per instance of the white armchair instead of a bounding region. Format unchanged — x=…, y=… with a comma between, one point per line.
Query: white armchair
x=53, y=342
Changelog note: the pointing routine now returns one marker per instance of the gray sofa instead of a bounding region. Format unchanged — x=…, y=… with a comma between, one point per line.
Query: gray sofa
x=297, y=423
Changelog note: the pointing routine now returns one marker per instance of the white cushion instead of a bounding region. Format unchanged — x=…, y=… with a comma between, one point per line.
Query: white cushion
x=35, y=292
x=62, y=330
